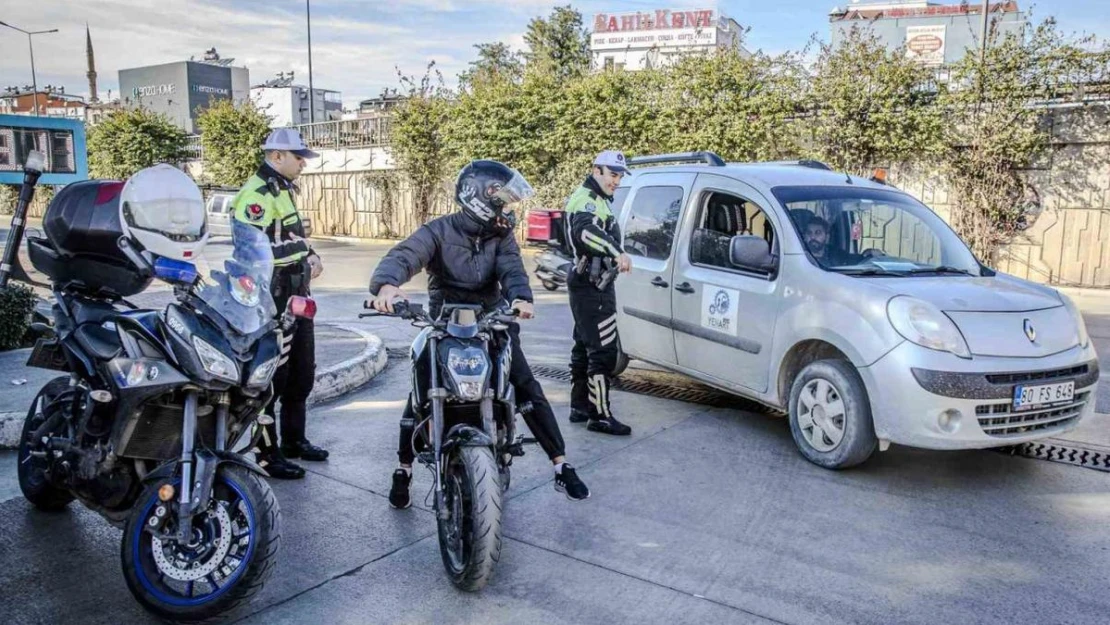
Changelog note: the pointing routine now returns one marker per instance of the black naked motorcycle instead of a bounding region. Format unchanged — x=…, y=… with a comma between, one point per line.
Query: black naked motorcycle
x=142, y=426
x=466, y=429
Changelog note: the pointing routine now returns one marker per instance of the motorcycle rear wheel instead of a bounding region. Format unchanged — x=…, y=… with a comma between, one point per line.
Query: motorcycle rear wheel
x=36, y=488
x=470, y=536
x=234, y=551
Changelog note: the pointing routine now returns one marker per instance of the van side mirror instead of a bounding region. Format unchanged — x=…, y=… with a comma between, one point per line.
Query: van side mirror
x=751, y=253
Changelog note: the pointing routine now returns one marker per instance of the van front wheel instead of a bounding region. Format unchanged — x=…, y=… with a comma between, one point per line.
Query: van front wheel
x=830, y=415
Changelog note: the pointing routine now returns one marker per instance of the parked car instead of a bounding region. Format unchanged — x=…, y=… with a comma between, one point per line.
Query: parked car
x=889, y=332
x=219, y=213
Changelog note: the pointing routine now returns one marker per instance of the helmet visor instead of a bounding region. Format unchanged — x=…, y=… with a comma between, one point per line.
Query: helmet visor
x=516, y=190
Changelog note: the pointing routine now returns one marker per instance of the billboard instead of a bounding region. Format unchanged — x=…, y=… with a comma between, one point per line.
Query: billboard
x=663, y=28
x=61, y=141
x=925, y=44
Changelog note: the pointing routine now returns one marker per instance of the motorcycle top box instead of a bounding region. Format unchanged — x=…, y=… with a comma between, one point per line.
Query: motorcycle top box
x=80, y=249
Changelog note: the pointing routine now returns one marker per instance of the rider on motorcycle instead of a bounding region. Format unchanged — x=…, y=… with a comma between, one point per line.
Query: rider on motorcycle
x=472, y=258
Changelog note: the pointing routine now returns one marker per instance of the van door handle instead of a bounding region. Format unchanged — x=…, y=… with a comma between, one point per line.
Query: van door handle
x=684, y=288
x=659, y=282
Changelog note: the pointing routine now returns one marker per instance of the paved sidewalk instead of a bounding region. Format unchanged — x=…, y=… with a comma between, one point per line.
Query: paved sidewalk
x=347, y=357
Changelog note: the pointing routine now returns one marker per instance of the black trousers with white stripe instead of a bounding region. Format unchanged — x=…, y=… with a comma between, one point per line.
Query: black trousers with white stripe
x=293, y=381
x=594, y=355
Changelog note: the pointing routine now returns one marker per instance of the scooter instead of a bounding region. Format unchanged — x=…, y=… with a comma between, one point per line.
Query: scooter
x=552, y=268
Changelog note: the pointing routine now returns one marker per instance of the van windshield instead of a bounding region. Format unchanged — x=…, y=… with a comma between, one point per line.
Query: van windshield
x=862, y=231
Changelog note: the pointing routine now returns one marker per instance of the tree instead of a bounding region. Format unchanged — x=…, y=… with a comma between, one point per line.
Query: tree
x=996, y=105
x=496, y=61
x=128, y=140
x=870, y=106
x=232, y=137
x=419, y=138
x=559, y=44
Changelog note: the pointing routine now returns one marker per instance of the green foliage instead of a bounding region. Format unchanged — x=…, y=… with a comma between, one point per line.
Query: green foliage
x=386, y=182
x=16, y=304
x=869, y=106
x=495, y=62
x=420, y=146
x=996, y=120
x=558, y=45
x=132, y=139
x=232, y=137
x=9, y=194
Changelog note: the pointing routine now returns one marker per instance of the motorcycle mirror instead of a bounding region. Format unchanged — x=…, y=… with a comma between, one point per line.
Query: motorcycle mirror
x=304, y=307
x=35, y=162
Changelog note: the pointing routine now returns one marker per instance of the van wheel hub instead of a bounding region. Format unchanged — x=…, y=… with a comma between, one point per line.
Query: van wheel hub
x=821, y=415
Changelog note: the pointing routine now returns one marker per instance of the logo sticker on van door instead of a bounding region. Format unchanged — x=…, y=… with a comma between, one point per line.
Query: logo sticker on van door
x=719, y=309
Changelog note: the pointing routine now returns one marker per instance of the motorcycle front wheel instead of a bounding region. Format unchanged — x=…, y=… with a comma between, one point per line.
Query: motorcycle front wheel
x=470, y=536
x=232, y=552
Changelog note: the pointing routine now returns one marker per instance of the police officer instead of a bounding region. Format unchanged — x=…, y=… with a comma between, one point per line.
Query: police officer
x=266, y=202
x=594, y=240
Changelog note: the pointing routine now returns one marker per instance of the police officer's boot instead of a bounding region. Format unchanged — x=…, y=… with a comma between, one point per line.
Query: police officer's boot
x=580, y=407
x=604, y=421
x=272, y=460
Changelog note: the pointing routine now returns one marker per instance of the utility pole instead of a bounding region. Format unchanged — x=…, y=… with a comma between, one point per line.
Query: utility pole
x=983, y=33
x=34, y=81
x=311, y=91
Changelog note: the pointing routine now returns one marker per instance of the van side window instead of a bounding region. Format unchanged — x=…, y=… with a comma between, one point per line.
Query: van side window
x=721, y=217
x=649, y=231
x=619, y=196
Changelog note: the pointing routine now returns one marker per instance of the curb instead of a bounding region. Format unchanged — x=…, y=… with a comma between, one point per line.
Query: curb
x=332, y=382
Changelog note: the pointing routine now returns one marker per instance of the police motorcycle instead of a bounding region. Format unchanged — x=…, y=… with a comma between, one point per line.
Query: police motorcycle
x=144, y=425
x=466, y=430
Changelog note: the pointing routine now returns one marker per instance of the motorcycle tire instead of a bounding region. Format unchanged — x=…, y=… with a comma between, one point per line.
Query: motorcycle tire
x=32, y=471
x=247, y=502
x=550, y=286
x=470, y=538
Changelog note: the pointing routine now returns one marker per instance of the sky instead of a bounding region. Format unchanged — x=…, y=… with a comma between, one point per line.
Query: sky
x=358, y=46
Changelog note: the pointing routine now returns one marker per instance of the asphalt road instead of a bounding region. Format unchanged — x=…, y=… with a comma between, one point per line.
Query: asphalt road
x=704, y=515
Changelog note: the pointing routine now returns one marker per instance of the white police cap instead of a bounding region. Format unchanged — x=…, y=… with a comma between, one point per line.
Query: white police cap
x=288, y=139
x=613, y=160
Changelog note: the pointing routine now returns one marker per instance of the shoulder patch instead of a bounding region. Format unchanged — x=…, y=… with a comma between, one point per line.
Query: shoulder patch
x=590, y=207
x=255, y=212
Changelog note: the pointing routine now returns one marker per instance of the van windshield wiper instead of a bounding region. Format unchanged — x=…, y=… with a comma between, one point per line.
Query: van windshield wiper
x=868, y=271
x=940, y=269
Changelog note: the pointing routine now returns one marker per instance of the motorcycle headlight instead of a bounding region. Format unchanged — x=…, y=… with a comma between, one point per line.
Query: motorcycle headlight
x=467, y=368
x=1081, y=326
x=215, y=362
x=922, y=323
x=265, y=371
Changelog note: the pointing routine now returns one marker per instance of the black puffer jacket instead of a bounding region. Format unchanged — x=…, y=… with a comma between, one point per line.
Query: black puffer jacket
x=465, y=264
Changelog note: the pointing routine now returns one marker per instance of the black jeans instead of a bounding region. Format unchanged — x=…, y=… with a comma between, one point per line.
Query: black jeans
x=594, y=355
x=530, y=401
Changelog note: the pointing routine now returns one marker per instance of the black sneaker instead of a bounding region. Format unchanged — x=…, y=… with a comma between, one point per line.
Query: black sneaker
x=305, y=451
x=609, y=426
x=279, y=468
x=579, y=416
x=399, y=494
x=567, y=482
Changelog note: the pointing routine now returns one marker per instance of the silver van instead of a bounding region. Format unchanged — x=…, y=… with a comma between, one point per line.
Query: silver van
x=846, y=303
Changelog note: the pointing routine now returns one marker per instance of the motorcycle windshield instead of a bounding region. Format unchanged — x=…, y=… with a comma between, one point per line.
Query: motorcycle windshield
x=240, y=294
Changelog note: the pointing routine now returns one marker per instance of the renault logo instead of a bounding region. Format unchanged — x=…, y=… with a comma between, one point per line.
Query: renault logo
x=1030, y=331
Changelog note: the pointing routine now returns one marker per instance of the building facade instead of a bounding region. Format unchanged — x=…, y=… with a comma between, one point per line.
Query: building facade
x=933, y=33
x=288, y=104
x=179, y=90
x=645, y=40
x=51, y=102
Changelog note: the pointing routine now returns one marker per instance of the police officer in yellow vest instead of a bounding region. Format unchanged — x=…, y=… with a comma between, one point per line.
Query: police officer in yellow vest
x=266, y=202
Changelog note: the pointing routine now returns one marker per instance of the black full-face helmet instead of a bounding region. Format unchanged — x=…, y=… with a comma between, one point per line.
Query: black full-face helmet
x=486, y=191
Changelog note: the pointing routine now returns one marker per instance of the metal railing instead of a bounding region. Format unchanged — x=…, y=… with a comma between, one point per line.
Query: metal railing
x=347, y=133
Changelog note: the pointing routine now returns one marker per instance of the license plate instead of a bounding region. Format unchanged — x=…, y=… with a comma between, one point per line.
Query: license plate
x=1027, y=397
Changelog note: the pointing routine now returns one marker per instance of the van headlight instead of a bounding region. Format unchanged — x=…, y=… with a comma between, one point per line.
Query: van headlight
x=265, y=371
x=215, y=362
x=467, y=368
x=1081, y=326
x=924, y=324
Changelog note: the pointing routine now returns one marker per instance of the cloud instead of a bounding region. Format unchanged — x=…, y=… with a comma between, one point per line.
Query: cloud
x=357, y=47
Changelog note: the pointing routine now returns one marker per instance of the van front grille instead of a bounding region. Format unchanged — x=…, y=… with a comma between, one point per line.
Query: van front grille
x=999, y=420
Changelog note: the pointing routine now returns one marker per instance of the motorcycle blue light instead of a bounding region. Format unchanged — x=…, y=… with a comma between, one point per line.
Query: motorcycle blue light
x=170, y=270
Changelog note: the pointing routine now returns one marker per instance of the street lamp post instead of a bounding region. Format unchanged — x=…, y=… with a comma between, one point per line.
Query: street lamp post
x=34, y=81
x=311, y=92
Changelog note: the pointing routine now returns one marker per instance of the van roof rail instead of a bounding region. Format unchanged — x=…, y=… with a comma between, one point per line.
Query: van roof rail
x=709, y=158
x=812, y=164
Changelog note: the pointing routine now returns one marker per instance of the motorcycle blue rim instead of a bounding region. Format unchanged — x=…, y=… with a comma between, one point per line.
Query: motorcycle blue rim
x=220, y=590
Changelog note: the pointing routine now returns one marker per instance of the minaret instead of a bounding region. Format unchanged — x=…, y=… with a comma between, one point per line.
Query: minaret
x=93, y=99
